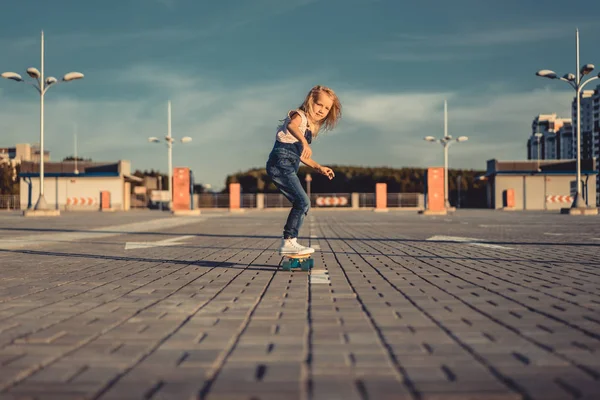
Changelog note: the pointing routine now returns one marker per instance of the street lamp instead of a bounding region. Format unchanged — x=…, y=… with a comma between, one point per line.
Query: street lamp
x=446, y=141
x=575, y=82
x=42, y=87
x=169, y=139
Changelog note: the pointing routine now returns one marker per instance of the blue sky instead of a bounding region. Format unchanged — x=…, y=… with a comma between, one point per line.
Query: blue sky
x=233, y=68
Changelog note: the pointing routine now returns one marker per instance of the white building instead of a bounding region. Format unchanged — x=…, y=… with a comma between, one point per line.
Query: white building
x=68, y=189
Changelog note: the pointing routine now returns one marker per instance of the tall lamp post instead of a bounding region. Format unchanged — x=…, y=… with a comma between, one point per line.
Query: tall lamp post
x=576, y=83
x=42, y=87
x=169, y=139
x=446, y=141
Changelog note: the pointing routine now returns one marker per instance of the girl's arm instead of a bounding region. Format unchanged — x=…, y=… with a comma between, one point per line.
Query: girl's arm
x=318, y=167
x=294, y=127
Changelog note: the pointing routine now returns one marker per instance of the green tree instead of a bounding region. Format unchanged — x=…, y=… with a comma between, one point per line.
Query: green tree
x=355, y=179
x=8, y=183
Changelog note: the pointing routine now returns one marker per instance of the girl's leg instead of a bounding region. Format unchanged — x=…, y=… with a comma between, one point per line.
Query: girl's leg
x=290, y=186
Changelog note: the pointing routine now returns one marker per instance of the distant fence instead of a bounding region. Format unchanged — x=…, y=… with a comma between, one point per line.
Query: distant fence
x=271, y=200
x=318, y=200
x=277, y=200
x=10, y=202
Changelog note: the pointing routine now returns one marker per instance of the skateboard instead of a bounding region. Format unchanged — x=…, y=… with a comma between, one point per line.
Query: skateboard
x=302, y=261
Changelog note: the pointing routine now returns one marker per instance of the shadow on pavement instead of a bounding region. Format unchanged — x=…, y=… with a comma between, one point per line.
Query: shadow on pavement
x=216, y=235
x=198, y=263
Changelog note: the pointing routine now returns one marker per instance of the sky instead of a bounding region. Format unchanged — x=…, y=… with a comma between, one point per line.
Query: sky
x=233, y=68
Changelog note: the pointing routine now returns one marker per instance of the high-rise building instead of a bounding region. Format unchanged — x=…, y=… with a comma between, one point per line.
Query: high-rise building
x=567, y=140
x=21, y=152
x=556, y=137
x=551, y=138
x=587, y=123
x=590, y=128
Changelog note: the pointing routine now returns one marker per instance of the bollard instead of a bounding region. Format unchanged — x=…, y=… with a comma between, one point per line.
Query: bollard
x=381, y=197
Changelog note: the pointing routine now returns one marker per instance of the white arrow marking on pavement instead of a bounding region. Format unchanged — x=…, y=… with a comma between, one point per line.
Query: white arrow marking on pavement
x=466, y=240
x=160, y=243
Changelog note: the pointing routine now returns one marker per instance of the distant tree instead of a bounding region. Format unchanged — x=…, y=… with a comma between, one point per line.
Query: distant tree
x=199, y=189
x=153, y=174
x=8, y=183
x=353, y=179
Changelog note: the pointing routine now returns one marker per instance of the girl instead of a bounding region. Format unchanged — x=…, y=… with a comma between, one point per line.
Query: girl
x=320, y=109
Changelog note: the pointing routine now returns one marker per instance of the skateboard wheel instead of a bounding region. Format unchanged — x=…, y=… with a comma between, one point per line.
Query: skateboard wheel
x=307, y=264
x=286, y=265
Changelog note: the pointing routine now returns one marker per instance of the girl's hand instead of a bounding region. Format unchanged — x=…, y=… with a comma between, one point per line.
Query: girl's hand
x=328, y=172
x=306, y=151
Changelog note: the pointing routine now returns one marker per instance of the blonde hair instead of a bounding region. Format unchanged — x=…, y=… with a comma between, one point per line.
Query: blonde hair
x=334, y=114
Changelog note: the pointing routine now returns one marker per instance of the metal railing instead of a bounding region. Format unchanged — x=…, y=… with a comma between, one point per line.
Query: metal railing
x=405, y=200
x=213, y=200
x=318, y=200
x=248, y=200
x=271, y=200
x=366, y=200
x=276, y=200
x=10, y=202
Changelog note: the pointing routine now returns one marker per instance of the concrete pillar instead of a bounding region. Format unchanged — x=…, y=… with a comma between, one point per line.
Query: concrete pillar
x=235, y=197
x=260, y=201
x=435, y=192
x=355, y=200
x=421, y=201
x=381, y=197
x=126, y=196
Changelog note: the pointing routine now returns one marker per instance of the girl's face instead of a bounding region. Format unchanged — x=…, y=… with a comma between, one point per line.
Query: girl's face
x=321, y=106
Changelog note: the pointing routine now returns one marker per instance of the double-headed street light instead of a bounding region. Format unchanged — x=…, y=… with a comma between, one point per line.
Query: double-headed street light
x=576, y=83
x=446, y=141
x=169, y=140
x=42, y=87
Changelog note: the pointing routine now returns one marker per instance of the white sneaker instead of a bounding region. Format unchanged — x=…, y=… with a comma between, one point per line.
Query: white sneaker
x=291, y=246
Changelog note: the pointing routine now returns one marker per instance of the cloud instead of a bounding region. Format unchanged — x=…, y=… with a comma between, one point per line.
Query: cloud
x=225, y=20
x=498, y=124
x=411, y=47
x=167, y=3
x=233, y=129
x=498, y=37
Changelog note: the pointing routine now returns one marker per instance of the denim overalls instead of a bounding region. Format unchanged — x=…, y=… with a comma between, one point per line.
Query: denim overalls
x=282, y=167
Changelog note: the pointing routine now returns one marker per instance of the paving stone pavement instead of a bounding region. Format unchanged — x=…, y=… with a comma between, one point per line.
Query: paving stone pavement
x=474, y=305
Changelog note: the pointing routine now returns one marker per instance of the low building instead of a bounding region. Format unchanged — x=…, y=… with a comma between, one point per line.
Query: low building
x=539, y=184
x=70, y=186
